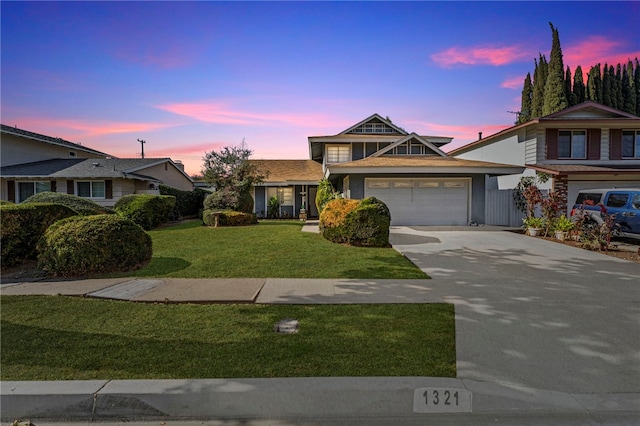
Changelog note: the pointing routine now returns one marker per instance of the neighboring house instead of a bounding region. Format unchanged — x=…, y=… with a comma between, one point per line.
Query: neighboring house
x=33, y=163
x=587, y=146
x=293, y=182
x=420, y=184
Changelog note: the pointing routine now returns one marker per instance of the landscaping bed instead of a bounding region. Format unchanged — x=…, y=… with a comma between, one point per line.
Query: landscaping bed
x=67, y=338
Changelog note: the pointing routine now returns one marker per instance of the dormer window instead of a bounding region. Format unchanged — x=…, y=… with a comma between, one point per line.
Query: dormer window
x=338, y=154
x=375, y=128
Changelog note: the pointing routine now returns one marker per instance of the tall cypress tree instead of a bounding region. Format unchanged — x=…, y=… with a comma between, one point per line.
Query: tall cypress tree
x=579, y=89
x=571, y=97
x=608, y=93
x=594, y=84
x=628, y=89
x=554, y=95
x=525, y=103
x=618, y=86
x=539, y=80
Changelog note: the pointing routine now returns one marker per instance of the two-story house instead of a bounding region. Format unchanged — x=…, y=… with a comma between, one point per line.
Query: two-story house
x=586, y=146
x=33, y=163
x=420, y=184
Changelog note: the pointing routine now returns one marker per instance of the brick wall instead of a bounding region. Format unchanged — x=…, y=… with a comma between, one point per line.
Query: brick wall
x=561, y=187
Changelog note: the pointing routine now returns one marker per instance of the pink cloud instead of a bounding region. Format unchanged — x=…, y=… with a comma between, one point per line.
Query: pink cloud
x=461, y=134
x=221, y=113
x=480, y=55
x=513, y=83
x=70, y=129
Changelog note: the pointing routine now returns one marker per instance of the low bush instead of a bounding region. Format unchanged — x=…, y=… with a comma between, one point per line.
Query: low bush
x=85, y=245
x=83, y=206
x=22, y=225
x=5, y=202
x=360, y=223
x=188, y=203
x=229, y=199
x=148, y=211
x=228, y=218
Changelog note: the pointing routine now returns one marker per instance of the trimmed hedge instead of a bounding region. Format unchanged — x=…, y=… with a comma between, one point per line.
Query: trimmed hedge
x=84, y=245
x=228, y=218
x=148, y=211
x=83, y=206
x=359, y=223
x=22, y=225
x=188, y=203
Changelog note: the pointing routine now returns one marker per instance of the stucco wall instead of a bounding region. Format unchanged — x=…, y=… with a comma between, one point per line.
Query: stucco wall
x=169, y=175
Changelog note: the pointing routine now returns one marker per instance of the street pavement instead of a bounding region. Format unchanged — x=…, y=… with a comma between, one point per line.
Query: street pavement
x=545, y=334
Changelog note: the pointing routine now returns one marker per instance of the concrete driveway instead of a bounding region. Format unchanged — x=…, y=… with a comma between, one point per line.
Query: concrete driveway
x=533, y=313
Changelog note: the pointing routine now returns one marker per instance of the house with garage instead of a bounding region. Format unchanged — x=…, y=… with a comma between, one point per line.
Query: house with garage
x=587, y=146
x=33, y=163
x=419, y=182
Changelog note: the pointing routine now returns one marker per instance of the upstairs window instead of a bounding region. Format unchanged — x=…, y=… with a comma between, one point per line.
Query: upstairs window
x=338, y=154
x=631, y=144
x=90, y=189
x=375, y=128
x=572, y=144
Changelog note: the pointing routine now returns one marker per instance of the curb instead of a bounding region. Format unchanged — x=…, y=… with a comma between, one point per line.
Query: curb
x=308, y=397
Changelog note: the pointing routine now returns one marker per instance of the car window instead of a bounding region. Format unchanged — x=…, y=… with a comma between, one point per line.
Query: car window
x=635, y=202
x=588, y=198
x=617, y=200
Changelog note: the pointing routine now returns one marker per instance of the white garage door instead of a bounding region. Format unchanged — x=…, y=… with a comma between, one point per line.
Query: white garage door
x=423, y=201
x=576, y=186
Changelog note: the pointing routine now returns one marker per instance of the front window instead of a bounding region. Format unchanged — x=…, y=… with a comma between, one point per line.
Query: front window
x=631, y=144
x=90, y=189
x=27, y=189
x=285, y=195
x=338, y=154
x=572, y=144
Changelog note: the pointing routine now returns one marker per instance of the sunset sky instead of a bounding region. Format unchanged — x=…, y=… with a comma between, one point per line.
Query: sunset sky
x=191, y=77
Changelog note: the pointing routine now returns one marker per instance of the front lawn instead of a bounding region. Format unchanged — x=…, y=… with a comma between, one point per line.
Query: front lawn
x=267, y=250
x=64, y=338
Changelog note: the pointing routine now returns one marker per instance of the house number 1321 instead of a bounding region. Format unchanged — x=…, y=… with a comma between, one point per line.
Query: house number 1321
x=436, y=397
x=442, y=400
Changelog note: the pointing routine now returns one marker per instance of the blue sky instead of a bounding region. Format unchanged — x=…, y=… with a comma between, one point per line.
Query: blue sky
x=190, y=77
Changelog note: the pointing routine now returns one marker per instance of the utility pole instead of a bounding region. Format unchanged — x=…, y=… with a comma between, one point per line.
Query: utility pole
x=142, y=142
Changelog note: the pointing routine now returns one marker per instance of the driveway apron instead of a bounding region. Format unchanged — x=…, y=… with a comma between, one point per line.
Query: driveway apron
x=531, y=312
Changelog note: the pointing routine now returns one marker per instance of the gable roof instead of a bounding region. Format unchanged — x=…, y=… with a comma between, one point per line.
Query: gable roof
x=48, y=139
x=289, y=171
x=375, y=118
x=411, y=164
x=592, y=112
x=92, y=168
x=412, y=136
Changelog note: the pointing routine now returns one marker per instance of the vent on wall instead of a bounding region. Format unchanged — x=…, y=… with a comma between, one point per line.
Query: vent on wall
x=72, y=154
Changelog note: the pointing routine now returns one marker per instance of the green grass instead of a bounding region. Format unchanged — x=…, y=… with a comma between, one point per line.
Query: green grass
x=267, y=250
x=64, y=338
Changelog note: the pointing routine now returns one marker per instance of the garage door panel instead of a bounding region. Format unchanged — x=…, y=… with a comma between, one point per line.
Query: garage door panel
x=423, y=201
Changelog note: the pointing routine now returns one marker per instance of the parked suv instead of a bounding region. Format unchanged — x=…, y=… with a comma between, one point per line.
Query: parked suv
x=624, y=203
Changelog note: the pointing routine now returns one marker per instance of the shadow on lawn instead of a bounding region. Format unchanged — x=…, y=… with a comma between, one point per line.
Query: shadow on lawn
x=163, y=265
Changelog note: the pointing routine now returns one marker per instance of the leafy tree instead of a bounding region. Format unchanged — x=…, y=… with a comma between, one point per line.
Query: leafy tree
x=579, y=89
x=636, y=81
x=594, y=84
x=608, y=93
x=555, y=98
x=232, y=175
x=617, y=86
x=628, y=89
x=525, y=107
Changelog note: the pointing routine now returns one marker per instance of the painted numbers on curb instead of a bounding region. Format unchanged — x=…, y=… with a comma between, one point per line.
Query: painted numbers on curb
x=441, y=400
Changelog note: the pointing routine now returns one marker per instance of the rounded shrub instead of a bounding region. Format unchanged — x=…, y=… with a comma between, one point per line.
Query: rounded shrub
x=148, y=211
x=84, y=245
x=360, y=223
x=229, y=199
x=228, y=218
x=22, y=225
x=333, y=217
x=81, y=205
